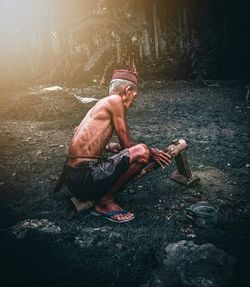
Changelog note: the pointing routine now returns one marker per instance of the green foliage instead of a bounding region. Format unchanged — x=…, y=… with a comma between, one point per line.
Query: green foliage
x=108, y=30
x=196, y=58
x=203, y=57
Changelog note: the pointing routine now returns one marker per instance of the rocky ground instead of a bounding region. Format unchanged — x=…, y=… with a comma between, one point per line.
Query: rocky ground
x=44, y=242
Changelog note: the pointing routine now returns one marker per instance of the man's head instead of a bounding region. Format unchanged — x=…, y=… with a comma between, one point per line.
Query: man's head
x=124, y=83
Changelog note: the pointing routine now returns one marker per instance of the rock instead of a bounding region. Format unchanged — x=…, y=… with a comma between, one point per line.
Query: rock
x=131, y=191
x=52, y=89
x=85, y=100
x=191, y=235
x=43, y=226
x=119, y=246
x=187, y=264
x=97, y=237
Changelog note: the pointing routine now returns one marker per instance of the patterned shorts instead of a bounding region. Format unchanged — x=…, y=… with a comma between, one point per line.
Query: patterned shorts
x=91, y=180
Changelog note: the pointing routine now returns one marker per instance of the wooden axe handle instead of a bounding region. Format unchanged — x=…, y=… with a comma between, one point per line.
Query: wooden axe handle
x=173, y=149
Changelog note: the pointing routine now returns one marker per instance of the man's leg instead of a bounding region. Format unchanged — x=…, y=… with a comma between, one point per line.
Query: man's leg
x=139, y=157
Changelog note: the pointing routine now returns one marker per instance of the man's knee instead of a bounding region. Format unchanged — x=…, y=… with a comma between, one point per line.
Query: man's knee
x=141, y=153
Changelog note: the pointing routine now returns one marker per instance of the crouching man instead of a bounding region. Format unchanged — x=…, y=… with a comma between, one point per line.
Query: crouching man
x=89, y=176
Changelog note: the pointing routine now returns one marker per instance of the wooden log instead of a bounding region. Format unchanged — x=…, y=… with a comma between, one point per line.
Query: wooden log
x=81, y=205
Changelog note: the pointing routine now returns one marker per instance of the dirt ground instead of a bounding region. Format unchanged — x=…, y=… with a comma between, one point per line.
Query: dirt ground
x=36, y=127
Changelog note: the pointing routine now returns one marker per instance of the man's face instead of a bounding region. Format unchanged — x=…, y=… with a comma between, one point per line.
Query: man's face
x=130, y=96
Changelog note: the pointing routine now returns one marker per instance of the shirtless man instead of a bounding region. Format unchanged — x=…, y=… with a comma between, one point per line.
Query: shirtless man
x=92, y=177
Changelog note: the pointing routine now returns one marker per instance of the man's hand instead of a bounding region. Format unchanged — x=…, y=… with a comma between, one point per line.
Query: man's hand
x=113, y=147
x=161, y=157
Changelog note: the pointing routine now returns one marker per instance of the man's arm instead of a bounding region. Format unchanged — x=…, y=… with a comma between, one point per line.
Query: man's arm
x=117, y=111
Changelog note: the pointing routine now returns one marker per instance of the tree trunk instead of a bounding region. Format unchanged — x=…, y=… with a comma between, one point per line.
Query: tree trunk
x=162, y=42
x=118, y=49
x=185, y=25
x=145, y=43
x=140, y=46
x=64, y=52
x=226, y=10
x=155, y=31
x=146, y=46
x=180, y=23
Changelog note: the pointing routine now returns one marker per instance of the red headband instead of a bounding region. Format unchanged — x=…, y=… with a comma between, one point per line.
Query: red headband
x=125, y=75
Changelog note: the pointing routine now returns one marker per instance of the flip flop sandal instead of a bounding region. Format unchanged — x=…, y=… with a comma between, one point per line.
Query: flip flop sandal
x=108, y=215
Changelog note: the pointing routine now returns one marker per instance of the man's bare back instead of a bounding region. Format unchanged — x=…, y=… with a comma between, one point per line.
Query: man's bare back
x=95, y=130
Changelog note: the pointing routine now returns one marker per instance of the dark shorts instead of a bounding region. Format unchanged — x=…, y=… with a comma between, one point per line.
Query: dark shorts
x=92, y=180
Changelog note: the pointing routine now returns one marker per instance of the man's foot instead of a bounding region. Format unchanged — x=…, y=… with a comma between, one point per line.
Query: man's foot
x=108, y=207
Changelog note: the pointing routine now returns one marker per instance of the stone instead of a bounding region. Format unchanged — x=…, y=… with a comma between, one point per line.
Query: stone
x=191, y=235
x=97, y=237
x=131, y=191
x=21, y=229
x=187, y=264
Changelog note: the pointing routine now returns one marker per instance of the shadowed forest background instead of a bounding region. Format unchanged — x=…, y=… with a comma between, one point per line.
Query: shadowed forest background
x=81, y=41
x=193, y=64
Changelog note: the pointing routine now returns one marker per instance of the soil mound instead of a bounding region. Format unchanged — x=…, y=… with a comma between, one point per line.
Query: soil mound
x=43, y=106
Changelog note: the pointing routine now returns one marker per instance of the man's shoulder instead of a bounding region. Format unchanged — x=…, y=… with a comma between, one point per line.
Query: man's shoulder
x=112, y=101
